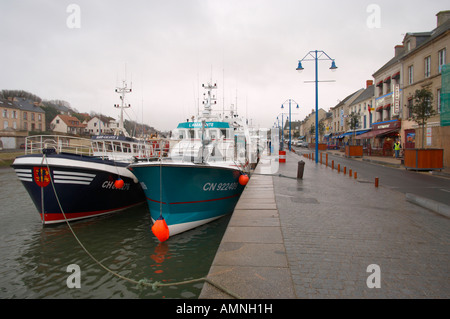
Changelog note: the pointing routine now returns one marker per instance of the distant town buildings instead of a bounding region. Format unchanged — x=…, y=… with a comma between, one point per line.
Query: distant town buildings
x=382, y=107
x=18, y=117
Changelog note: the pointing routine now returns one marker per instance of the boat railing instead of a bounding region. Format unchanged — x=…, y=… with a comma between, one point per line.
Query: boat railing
x=61, y=144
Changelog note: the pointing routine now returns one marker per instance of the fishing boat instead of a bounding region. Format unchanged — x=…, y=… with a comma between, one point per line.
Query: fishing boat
x=198, y=180
x=70, y=178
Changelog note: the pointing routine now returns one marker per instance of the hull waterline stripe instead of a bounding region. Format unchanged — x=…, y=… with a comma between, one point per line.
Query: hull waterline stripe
x=155, y=201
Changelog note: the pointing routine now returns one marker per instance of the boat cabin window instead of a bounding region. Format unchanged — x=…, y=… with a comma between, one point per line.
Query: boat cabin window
x=213, y=134
x=126, y=148
x=117, y=147
x=179, y=134
x=109, y=146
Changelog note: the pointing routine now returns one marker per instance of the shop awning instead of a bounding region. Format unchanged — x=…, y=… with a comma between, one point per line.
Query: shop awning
x=376, y=133
x=351, y=134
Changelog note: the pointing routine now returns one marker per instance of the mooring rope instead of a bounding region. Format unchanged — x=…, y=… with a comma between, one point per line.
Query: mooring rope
x=140, y=283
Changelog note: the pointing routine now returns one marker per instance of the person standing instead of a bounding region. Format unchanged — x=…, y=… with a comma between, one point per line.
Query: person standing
x=397, y=148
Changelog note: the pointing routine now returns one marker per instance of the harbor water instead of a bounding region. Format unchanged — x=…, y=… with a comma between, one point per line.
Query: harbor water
x=34, y=259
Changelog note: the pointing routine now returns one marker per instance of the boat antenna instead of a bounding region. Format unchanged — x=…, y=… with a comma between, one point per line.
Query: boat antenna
x=122, y=91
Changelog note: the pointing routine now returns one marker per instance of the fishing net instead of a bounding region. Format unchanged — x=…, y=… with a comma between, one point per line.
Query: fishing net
x=445, y=95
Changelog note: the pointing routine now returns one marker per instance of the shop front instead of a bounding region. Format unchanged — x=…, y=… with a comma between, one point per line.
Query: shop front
x=380, y=140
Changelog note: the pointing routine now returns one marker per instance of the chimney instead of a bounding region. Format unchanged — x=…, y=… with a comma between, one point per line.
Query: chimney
x=398, y=50
x=442, y=17
x=369, y=83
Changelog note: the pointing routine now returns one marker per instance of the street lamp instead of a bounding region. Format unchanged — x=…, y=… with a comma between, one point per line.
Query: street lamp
x=316, y=56
x=290, y=118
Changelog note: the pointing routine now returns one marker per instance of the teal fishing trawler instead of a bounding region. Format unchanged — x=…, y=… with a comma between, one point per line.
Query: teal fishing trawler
x=198, y=180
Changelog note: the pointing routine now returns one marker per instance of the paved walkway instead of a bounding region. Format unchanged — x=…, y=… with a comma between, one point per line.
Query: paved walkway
x=319, y=237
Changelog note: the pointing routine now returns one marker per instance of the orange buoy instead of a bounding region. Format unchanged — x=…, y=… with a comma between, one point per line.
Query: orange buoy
x=243, y=179
x=119, y=183
x=160, y=229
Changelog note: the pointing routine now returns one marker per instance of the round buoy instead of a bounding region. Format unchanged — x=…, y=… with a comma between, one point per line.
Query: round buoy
x=119, y=183
x=243, y=179
x=160, y=229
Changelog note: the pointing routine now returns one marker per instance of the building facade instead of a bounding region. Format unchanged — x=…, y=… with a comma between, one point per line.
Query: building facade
x=18, y=117
x=67, y=124
x=424, y=57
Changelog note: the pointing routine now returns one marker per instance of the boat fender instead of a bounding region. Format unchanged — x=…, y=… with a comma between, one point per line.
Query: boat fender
x=243, y=179
x=119, y=183
x=160, y=229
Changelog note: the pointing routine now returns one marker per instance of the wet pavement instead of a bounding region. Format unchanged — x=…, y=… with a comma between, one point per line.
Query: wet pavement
x=330, y=236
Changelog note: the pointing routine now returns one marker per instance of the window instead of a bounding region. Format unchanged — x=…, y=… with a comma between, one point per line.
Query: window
x=32, y=116
x=427, y=66
x=411, y=74
x=5, y=124
x=14, y=114
x=441, y=58
x=408, y=46
x=25, y=115
x=410, y=103
x=39, y=117
x=5, y=114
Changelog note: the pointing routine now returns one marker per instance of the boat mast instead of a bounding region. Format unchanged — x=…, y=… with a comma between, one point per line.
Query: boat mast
x=208, y=99
x=122, y=91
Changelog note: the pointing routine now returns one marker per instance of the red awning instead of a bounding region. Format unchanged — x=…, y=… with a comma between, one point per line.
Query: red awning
x=380, y=108
x=396, y=75
x=375, y=133
x=387, y=106
x=388, y=79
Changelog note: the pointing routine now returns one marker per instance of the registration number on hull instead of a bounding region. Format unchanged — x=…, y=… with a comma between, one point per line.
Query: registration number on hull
x=208, y=187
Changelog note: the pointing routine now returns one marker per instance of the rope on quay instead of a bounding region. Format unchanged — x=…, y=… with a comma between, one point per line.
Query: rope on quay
x=142, y=282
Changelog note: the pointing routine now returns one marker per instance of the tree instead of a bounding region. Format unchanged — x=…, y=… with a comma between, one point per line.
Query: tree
x=321, y=128
x=353, y=122
x=422, y=109
x=312, y=131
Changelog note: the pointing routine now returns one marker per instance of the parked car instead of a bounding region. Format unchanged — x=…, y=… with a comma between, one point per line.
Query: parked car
x=304, y=144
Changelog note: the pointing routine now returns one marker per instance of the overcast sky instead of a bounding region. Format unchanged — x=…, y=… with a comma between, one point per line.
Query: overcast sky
x=168, y=48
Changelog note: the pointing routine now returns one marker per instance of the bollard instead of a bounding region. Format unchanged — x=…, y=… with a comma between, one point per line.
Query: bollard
x=339, y=168
x=282, y=155
x=350, y=173
x=345, y=170
x=326, y=159
x=320, y=158
x=332, y=164
x=356, y=174
x=376, y=181
x=300, y=169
